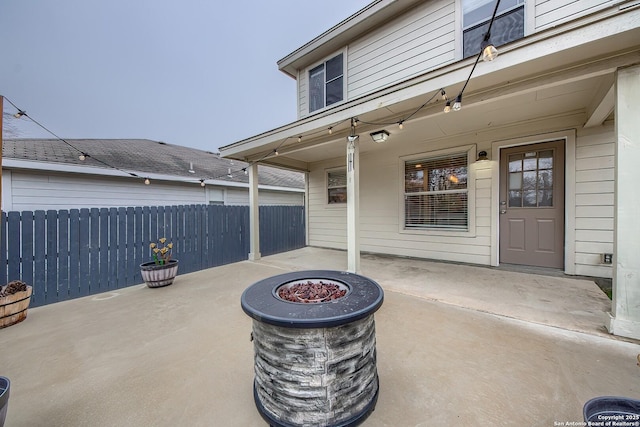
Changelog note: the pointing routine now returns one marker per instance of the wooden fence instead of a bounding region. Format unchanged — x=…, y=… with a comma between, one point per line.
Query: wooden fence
x=73, y=253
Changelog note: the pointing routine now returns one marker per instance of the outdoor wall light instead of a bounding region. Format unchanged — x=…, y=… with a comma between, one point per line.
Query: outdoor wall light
x=482, y=155
x=380, y=136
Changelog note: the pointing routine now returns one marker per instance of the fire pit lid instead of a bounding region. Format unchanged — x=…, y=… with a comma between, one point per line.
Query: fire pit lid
x=364, y=298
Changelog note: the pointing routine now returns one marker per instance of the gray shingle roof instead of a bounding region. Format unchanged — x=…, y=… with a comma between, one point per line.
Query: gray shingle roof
x=142, y=156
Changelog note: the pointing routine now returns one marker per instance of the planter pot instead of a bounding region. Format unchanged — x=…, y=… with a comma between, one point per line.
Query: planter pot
x=13, y=308
x=5, y=385
x=156, y=276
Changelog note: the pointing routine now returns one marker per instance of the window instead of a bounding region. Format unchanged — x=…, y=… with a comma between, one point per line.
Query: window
x=326, y=84
x=436, y=193
x=337, y=186
x=531, y=179
x=476, y=14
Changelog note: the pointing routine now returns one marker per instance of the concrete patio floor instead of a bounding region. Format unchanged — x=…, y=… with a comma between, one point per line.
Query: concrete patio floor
x=457, y=345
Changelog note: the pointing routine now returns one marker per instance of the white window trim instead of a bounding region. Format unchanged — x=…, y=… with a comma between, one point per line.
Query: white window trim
x=344, y=81
x=326, y=188
x=471, y=192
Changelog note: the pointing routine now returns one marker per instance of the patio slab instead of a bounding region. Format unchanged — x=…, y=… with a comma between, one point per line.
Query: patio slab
x=181, y=355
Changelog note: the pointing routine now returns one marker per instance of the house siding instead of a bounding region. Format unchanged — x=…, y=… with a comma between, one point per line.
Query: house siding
x=550, y=13
x=33, y=190
x=417, y=42
x=595, y=151
x=381, y=198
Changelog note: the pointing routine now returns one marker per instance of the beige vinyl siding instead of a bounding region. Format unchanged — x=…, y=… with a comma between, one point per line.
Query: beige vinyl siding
x=380, y=211
x=418, y=41
x=550, y=13
x=303, y=93
x=327, y=223
x=595, y=151
x=381, y=197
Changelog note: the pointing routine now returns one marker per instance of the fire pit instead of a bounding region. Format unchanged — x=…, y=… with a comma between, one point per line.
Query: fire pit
x=315, y=347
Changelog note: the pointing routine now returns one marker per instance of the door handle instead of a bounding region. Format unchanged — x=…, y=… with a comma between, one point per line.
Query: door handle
x=503, y=211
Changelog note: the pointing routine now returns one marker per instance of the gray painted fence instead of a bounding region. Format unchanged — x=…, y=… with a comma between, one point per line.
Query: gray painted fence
x=73, y=253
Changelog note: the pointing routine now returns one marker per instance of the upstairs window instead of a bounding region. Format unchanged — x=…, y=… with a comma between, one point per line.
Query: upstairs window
x=326, y=83
x=476, y=14
x=337, y=186
x=436, y=193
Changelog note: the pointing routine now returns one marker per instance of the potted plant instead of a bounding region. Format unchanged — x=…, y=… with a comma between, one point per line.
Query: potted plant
x=14, y=301
x=162, y=270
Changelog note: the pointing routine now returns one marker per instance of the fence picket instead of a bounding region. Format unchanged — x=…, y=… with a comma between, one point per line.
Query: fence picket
x=63, y=255
x=74, y=253
x=84, y=284
x=94, y=251
x=27, y=247
x=13, y=245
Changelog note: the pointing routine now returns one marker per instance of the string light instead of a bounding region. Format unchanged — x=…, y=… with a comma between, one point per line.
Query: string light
x=275, y=152
x=246, y=172
x=447, y=107
x=330, y=130
x=202, y=184
x=147, y=181
x=457, y=106
x=299, y=139
x=401, y=124
x=444, y=95
x=82, y=156
x=20, y=113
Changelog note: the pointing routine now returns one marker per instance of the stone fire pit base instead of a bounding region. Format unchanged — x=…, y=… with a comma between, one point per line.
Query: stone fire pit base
x=315, y=364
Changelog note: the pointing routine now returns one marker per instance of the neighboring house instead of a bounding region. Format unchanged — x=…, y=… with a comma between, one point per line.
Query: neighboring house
x=557, y=113
x=48, y=174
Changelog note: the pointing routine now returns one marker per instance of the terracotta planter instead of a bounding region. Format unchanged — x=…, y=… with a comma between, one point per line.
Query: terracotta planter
x=13, y=308
x=156, y=276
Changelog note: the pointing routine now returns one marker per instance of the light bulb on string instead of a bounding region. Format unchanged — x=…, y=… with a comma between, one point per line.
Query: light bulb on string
x=147, y=181
x=19, y=114
x=299, y=139
x=202, y=184
x=447, y=107
x=275, y=152
x=444, y=94
x=82, y=156
x=457, y=106
x=330, y=130
x=246, y=172
x=401, y=124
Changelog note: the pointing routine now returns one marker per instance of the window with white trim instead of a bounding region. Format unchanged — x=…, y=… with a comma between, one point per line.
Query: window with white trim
x=476, y=14
x=436, y=192
x=337, y=186
x=326, y=83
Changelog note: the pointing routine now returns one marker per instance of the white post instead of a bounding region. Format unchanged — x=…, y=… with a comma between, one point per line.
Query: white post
x=625, y=317
x=254, y=214
x=353, y=205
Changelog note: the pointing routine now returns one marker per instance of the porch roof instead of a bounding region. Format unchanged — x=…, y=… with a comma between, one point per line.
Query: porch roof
x=539, y=76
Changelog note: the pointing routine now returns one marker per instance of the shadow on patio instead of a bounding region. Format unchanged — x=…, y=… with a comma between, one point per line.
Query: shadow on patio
x=457, y=345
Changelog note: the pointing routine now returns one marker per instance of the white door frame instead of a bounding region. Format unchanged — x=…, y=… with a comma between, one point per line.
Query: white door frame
x=569, y=136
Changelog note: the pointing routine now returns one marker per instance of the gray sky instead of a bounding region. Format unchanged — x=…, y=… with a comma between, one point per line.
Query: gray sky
x=196, y=73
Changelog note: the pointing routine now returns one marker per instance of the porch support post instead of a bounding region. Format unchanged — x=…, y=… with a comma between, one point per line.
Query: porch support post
x=625, y=317
x=353, y=205
x=254, y=214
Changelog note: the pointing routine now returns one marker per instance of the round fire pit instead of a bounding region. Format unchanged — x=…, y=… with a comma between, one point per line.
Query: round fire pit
x=315, y=347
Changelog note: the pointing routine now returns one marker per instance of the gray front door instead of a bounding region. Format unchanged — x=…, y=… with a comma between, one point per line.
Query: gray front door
x=532, y=205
